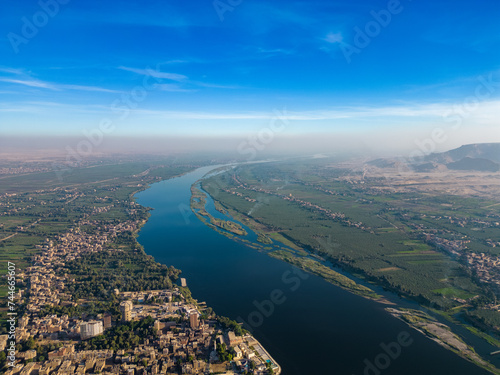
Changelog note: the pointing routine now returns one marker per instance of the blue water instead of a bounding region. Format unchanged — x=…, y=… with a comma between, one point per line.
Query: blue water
x=308, y=325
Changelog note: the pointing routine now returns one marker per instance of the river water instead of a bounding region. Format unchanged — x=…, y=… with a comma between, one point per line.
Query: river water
x=308, y=325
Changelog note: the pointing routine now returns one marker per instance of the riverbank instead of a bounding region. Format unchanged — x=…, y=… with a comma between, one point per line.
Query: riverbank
x=441, y=334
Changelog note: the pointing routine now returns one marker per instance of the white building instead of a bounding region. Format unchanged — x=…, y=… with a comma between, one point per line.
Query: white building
x=91, y=329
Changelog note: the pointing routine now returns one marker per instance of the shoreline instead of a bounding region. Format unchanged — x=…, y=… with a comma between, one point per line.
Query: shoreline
x=441, y=334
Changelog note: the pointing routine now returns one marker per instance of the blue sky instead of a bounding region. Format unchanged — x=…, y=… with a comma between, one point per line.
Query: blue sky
x=211, y=68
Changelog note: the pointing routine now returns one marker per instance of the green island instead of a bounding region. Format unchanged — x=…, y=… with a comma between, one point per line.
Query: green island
x=198, y=202
x=262, y=238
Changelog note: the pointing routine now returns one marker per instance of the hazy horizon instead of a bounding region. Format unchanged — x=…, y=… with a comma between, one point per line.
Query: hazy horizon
x=244, y=148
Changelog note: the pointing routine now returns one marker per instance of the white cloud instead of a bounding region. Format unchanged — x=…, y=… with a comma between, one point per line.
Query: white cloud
x=486, y=113
x=23, y=79
x=215, y=86
x=172, y=87
x=174, y=77
x=11, y=70
x=87, y=88
x=333, y=38
x=156, y=73
x=30, y=83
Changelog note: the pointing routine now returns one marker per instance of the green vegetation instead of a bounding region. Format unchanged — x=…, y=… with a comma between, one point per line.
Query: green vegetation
x=198, y=201
x=219, y=207
x=228, y=226
x=232, y=325
x=485, y=319
x=262, y=238
x=123, y=336
x=269, y=368
x=92, y=308
x=96, y=275
x=224, y=354
x=454, y=293
x=315, y=267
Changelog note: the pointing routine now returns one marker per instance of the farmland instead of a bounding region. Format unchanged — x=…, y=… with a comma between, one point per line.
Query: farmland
x=418, y=237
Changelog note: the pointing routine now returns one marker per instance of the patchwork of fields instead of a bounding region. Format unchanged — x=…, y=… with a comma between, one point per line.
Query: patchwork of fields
x=407, y=240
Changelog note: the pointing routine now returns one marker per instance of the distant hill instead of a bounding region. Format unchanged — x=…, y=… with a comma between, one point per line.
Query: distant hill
x=481, y=157
x=426, y=167
x=474, y=164
x=489, y=151
x=382, y=163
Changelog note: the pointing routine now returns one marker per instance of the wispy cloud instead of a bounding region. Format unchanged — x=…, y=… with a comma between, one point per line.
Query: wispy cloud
x=457, y=86
x=11, y=70
x=421, y=112
x=172, y=87
x=47, y=107
x=188, y=85
x=19, y=77
x=334, y=38
x=216, y=86
x=176, y=61
x=30, y=83
x=414, y=112
x=155, y=73
x=88, y=88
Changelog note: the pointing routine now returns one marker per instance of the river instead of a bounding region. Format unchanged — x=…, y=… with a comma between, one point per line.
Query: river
x=308, y=325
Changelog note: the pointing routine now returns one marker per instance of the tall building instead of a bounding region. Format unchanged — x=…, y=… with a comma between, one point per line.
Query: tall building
x=91, y=329
x=126, y=309
x=106, y=320
x=194, y=321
